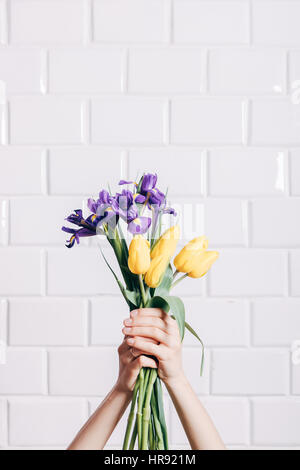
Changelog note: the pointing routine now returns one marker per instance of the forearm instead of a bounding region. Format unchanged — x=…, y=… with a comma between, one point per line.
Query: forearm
x=198, y=426
x=97, y=430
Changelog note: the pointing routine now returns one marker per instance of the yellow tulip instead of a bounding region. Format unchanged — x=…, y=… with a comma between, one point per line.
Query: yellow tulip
x=156, y=271
x=167, y=243
x=139, y=255
x=203, y=263
x=185, y=261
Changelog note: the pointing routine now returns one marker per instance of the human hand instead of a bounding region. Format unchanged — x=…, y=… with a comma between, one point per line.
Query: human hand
x=129, y=367
x=152, y=332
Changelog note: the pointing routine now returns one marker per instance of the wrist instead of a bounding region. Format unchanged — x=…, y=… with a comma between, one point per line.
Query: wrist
x=120, y=389
x=174, y=382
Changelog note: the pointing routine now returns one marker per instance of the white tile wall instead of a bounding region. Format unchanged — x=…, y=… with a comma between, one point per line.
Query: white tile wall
x=206, y=94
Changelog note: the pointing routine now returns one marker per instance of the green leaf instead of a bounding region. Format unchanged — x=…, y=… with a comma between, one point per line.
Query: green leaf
x=173, y=304
x=134, y=297
x=160, y=409
x=193, y=332
x=165, y=285
x=122, y=288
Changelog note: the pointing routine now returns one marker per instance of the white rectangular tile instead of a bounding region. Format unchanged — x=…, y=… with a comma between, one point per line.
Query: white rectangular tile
x=210, y=22
x=230, y=316
x=46, y=21
x=247, y=172
x=21, y=70
x=276, y=421
x=128, y=21
x=275, y=23
x=82, y=371
x=295, y=272
x=84, y=170
x=27, y=161
x=274, y=122
x=23, y=372
x=250, y=372
x=206, y=121
x=112, y=333
x=80, y=271
x=85, y=70
x=20, y=271
x=240, y=71
x=224, y=222
x=276, y=322
x=46, y=120
x=34, y=422
x=47, y=322
x=275, y=222
x=166, y=70
x=248, y=273
x=161, y=160
x=127, y=120
x=295, y=172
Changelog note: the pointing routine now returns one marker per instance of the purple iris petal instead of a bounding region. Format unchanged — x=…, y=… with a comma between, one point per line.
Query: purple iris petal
x=139, y=198
x=104, y=197
x=149, y=182
x=121, y=182
x=92, y=205
x=139, y=225
x=170, y=210
x=156, y=196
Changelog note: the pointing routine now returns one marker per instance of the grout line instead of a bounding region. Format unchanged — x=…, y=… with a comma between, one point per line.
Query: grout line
x=4, y=113
x=168, y=22
x=250, y=22
x=88, y=22
x=5, y=221
x=4, y=24
x=287, y=169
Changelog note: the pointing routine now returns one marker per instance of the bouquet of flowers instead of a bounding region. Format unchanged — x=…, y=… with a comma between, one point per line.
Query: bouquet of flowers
x=148, y=277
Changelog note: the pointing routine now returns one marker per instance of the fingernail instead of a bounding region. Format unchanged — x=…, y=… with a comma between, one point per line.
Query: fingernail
x=134, y=313
x=126, y=330
x=130, y=341
x=128, y=321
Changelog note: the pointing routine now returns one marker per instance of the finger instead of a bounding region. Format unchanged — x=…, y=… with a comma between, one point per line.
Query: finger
x=123, y=347
x=148, y=332
x=148, y=348
x=152, y=312
x=142, y=320
x=139, y=362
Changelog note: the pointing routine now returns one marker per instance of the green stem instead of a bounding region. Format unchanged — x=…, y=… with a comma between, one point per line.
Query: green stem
x=141, y=282
x=140, y=407
x=179, y=280
x=133, y=437
x=147, y=409
x=130, y=416
x=151, y=435
x=157, y=426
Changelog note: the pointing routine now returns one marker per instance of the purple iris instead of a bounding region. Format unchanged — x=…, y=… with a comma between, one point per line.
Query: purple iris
x=124, y=205
x=101, y=204
x=88, y=226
